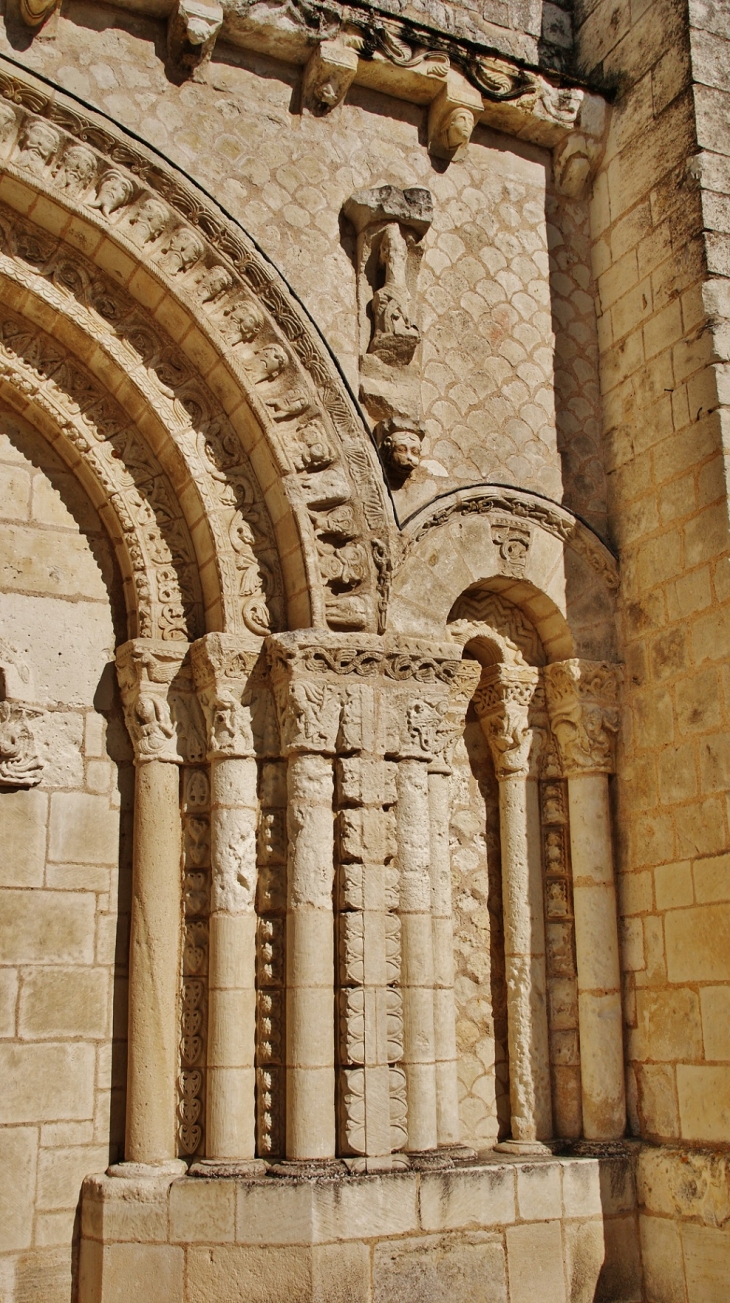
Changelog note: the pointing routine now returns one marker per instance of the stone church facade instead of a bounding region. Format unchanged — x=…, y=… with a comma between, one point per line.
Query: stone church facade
x=364, y=630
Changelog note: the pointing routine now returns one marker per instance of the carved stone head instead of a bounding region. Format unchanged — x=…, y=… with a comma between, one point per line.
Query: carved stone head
x=399, y=440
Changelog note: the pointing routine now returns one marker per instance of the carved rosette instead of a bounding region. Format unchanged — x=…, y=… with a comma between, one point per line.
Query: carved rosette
x=502, y=702
x=146, y=671
x=582, y=698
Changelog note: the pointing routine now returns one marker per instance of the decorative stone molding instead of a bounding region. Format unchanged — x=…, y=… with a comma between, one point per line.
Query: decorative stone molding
x=582, y=699
x=192, y=31
x=481, y=613
x=315, y=454
x=155, y=717
x=502, y=702
x=520, y=510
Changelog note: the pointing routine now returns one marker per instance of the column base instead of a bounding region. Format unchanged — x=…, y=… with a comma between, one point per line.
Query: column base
x=427, y=1235
x=229, y=1167
x=309, y=1169
x=172, y=1168
x=523, y=1147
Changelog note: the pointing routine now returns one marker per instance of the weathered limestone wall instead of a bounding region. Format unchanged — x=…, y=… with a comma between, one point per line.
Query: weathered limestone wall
x=63, y=942
x=501, y=273
x=659, y=219
x=495, y=1233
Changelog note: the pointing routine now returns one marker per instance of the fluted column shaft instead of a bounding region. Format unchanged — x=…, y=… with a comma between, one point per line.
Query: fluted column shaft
x=146, y=670
x=582, y=699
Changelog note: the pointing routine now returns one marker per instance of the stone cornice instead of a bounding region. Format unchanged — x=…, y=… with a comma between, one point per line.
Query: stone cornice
x=402, y=57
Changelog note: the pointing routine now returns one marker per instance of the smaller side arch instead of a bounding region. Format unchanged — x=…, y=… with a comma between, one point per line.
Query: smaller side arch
x=527, y=552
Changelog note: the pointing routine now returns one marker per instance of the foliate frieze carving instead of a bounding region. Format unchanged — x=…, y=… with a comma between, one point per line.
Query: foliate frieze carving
x=147, y=672
x=268, y=344
x=502, y=703
x=583, y=699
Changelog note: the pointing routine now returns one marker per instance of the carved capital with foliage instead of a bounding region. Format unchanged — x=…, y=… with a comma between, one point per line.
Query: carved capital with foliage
x=147, y=670
x=222, y=672
x=502, y=703
x=582, y=698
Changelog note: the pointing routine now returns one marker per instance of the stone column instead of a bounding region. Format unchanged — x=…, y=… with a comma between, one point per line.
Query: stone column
x=439, y=799
x=309, y=708
x=222, y=672
x=583, y=703
x=502, y=702
x=146, y=670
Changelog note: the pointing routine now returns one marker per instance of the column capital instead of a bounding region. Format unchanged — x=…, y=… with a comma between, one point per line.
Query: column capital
x=222, y=671
x=502, y=703
x=582, y=698
x=147, y=670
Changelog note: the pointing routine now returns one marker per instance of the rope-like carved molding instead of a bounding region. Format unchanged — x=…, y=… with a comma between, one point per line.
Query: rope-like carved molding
x=318, y=446
x=550, y=517
x=36, y=375
x=245, y=550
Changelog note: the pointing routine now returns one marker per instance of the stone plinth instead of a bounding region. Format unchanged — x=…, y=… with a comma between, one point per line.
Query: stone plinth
x=494, y=1231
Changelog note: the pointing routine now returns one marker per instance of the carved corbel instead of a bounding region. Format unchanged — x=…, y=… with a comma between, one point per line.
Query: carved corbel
x=328, y=75
x=192, y=31
x=452, y=117
x=502, y=703
x=35, y=13
x=147, y=670
x=577, y=156
x=582, y=699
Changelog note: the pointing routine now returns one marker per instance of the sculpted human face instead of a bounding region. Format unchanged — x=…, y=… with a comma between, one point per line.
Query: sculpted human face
x=404, y=450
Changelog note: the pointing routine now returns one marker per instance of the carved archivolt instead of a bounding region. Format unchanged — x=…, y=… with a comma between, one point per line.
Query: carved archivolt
x=511, y=515
x=247, y=363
